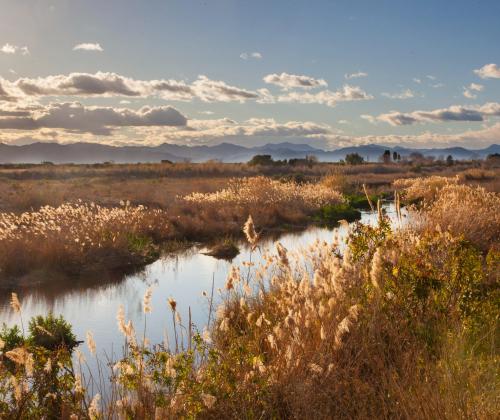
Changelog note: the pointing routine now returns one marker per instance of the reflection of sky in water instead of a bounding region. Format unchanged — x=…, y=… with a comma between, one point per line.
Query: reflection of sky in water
x=183, y=277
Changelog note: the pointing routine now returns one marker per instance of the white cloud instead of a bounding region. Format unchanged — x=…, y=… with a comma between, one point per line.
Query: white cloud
x=75, y=117
x=112, y=84
x=473, y=87
x=289, y=81
x=488, y=71
x=218, y=91
x=431, y=77
x=14, y=49
x=405, y=94
x=355, y=75
x=5, y=95
x=453, y=113
x=417, y=80
x=88, y=46
x=249, y=55
x=326, y=97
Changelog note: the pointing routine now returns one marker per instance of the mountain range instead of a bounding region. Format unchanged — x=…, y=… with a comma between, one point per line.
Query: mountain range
x=225, y=152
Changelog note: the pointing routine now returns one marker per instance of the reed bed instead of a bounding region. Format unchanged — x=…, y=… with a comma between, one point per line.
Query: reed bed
x=259, y=191
x=395, y=324
x=468, y=211
x=423, y=188
x=72, y=236
x=400, y=324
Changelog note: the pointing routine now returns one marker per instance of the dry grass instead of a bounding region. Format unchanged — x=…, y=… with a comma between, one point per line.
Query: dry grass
x=261, y=191
x=76, y=237
x=401, y=325
x=426, y=189
x=73, y=236
x=28, y=187
x=468, y=211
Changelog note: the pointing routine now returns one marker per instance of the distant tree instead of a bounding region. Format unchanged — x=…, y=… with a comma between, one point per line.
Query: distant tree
x=399, y=157
x=261, y=160
x=494, y=157
x=386, y=156
x=449, y=160
x=354, y=159
x=394, y=156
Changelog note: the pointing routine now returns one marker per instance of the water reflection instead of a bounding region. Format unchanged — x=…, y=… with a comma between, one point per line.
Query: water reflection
x=92, y=305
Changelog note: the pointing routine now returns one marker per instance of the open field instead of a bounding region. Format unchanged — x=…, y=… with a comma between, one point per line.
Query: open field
x=27, y=187
x=76, y=219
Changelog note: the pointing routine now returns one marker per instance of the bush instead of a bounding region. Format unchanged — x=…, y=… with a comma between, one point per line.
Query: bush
x=332, y=214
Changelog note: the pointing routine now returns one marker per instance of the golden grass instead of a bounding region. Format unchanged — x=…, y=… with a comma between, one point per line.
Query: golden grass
x=400, y=325
x=262, y=191
x=468, y=211
x=71, y=236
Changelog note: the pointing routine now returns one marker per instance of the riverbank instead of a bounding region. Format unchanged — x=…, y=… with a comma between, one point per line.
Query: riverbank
x=397, y=322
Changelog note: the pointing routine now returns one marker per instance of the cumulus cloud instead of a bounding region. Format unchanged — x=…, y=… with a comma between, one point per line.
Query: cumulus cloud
x=289, y=81
x=112, y=84
x=14, y=49
x=417, y=80
x=326, y=97
x=88, y=46
x=249, y=55
x=73, y=116
x=469, y=90
x=4, y=95
x=453, y=113
x=80, y=84
x=405, y=94
x=218, y=91
x=355, y=75
x=488, y=71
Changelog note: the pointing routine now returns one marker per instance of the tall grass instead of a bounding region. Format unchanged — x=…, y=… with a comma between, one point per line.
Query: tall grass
x=468, y=211
x=400, y=324
x=72, y=236
x=259, y=191
x=76, y=237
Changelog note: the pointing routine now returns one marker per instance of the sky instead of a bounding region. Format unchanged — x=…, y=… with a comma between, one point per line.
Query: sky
x=330, y=73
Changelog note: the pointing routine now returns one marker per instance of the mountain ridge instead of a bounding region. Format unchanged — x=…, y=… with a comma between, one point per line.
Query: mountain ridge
x=83, y=152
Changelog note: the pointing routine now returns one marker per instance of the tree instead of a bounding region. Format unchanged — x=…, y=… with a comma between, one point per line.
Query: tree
x=493, y=157
x=354, y=159
x=449, y=160
x=261, y=160
x=394, y=156
x=386, y=156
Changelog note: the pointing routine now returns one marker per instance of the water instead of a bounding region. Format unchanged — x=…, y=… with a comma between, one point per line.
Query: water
x=184, y=277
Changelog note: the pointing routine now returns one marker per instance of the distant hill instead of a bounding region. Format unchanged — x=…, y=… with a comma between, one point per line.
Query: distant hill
x=225, y=152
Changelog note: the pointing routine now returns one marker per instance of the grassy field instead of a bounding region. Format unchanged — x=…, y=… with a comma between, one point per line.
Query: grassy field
x=28, y=187
x=404, y=325
x=76, y=219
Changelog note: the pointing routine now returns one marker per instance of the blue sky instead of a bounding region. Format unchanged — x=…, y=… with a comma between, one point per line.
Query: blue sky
x=423, y=73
